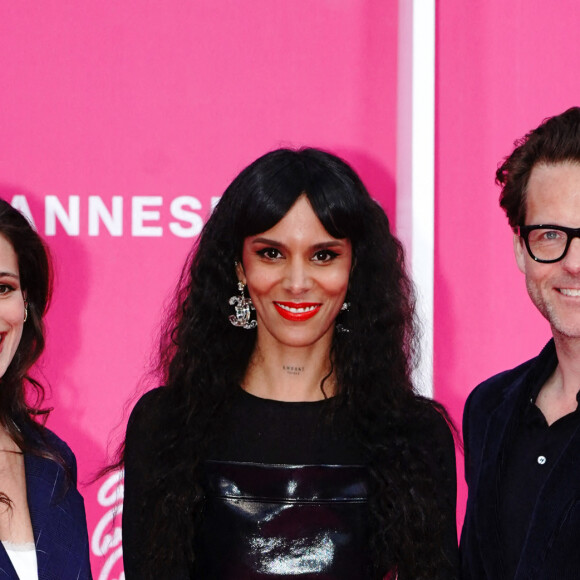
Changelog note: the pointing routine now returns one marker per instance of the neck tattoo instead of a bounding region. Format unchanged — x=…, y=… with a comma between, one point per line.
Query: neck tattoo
x=292, y=370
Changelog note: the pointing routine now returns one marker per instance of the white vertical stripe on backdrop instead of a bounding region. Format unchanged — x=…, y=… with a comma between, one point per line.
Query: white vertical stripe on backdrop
x=416, y=164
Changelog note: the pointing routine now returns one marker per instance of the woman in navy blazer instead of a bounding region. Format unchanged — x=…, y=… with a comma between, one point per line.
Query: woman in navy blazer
x=43, y=531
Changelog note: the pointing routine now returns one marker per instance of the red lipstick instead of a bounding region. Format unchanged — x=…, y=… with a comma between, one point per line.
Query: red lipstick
x=297, y=311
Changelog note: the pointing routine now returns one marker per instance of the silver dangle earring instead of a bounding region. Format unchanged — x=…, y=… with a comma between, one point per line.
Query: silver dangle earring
x=340, y=327
x=25, y=311
x=244, y=309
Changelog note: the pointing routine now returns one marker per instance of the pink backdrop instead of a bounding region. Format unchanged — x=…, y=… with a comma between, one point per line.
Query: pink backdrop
x=502, y=67
x=144, y=112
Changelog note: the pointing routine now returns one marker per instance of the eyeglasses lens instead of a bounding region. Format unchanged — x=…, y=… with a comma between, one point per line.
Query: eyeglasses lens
x=547, y=244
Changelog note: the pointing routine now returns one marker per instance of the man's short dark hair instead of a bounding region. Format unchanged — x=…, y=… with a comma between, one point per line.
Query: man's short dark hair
x=556, y=140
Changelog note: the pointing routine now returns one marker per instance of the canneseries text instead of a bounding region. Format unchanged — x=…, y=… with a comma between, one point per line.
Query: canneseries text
x=136, y=216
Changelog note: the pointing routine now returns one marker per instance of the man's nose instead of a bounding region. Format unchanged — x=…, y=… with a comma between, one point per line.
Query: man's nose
x=571, y=261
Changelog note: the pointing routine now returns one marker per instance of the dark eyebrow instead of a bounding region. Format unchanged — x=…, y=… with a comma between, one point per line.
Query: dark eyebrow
x=266, y=241
x=9, y=275
x=331, y=244
x=320, y=246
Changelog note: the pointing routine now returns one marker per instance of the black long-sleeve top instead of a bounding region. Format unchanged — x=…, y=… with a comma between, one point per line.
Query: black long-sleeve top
x=274, y=433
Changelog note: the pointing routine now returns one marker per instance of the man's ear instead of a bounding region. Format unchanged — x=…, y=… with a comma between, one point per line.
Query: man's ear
x=520, y=252
x=240, y=273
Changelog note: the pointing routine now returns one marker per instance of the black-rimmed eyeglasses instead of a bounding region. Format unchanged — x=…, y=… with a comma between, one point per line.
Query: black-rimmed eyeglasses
x=547, y=243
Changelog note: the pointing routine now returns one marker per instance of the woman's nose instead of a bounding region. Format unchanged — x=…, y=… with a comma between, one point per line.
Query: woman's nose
x=297, y=278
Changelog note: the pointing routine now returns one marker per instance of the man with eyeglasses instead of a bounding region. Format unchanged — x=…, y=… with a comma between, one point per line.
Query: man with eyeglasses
x=522, y=427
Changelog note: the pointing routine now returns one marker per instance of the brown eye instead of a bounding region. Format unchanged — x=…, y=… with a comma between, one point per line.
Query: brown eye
x=324, y=256
x=270, y=253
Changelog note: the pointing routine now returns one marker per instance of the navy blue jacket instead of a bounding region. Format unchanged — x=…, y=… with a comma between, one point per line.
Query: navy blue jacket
x=552, y=546
x=58, y=518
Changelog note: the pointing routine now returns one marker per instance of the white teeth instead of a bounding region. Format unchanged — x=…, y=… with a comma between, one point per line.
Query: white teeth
x=570, y=291
x=296, y=310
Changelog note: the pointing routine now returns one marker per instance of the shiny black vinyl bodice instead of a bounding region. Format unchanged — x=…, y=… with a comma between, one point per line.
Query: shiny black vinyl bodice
x=274, y=521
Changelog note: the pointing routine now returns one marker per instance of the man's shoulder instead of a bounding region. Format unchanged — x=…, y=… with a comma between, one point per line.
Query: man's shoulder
x=492, y=391
x=497, y=385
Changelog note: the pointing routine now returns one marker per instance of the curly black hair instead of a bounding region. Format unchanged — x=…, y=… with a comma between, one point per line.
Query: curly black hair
x=202, y=355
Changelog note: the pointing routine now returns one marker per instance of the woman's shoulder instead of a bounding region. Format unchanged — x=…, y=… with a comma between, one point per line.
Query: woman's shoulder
x=149, y=407
x=43, y=445
x=147, y=420
x=55, y=442
x=434, y=426
x=435, y=435
x=42, y=438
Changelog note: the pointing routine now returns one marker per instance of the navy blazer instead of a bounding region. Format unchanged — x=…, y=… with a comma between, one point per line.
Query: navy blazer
x=552, y=546
x=57, y=513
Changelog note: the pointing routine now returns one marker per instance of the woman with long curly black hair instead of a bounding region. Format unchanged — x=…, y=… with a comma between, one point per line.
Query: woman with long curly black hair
x=288, y=439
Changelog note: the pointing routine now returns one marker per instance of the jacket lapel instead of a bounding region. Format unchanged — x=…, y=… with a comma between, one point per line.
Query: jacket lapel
x=43, y=484
x=7, y=571
x=488, y=498
x=38, y=479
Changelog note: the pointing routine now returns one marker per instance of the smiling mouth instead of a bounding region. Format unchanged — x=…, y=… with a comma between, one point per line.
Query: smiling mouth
x=570, y=291
x=297, y=312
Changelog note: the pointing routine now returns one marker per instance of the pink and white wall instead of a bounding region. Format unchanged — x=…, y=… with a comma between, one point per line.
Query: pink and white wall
x=121, y=123
x=501, y=68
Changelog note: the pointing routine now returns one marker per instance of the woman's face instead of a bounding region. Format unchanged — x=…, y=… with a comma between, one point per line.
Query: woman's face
x=297, y=276
x=11, y=304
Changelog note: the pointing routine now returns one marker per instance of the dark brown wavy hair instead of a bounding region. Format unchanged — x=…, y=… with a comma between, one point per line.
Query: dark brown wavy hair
x=21, y=395
x=202, y=356
x=556, y=140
